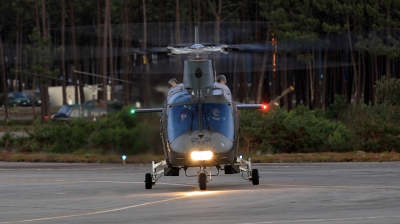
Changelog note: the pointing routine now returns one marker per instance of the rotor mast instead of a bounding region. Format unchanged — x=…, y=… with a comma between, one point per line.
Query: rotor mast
x=198, y=71
x=196, y=34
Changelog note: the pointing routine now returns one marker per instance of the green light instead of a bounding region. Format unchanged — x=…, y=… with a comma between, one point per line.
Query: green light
x=132, y=111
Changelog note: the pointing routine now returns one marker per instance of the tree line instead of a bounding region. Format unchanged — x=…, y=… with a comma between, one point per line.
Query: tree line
x=322, y=47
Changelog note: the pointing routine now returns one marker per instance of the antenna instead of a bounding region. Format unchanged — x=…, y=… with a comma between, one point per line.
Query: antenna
x=196, y=34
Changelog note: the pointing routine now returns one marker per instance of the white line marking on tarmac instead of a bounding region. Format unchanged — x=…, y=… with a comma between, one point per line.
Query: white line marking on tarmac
x=96, y=212
x=325, y=220
x=101, y=211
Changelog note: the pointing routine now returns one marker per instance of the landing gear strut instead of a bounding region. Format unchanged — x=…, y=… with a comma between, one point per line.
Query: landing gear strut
x=252, y=174
x=151, y=178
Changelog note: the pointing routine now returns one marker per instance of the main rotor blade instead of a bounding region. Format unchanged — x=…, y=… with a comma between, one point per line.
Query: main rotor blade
x=269, y=106
x=102, y=76
x=73, y=83
x=288, y=90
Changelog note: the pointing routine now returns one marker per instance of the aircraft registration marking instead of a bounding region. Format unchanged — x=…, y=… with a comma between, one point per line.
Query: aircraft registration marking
x=206, y=139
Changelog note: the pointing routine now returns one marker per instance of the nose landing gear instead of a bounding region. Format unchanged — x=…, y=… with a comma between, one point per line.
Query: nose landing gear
x=202, y=178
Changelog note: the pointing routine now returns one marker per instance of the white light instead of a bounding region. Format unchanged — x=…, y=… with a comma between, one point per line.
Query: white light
x=123, y=157
x=202, y=155
x=240, y=156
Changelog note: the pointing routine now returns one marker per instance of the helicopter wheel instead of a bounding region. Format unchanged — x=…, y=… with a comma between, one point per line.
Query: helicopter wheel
x=255, y=177
x=202, y=181
x=148, y=181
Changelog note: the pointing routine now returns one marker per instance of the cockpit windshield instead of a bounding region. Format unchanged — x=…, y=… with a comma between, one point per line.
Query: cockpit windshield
x=218, y=117
x=214, y=117
x=181, y=119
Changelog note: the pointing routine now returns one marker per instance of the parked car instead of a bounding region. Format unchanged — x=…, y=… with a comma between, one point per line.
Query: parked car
x=18, y=99
x=38, y=101
x=94, y=108
x=67, y=112
x=34, y=97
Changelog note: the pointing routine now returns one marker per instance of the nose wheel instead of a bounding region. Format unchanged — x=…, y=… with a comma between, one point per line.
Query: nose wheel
x=202, y=181
x=202, y=178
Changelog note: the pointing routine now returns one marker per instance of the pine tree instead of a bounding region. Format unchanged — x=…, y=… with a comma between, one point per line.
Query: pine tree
x=41, y=57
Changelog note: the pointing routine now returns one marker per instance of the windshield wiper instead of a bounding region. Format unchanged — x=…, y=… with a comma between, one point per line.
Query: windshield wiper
x=205, y=118
x=191, y=123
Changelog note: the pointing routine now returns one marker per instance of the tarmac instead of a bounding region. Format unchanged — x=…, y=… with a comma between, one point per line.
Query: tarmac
x=115, y=193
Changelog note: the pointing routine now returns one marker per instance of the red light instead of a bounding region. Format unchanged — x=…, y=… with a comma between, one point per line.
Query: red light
x=264, y=107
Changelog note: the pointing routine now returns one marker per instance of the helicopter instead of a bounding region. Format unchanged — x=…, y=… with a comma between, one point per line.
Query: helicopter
x=199, y=122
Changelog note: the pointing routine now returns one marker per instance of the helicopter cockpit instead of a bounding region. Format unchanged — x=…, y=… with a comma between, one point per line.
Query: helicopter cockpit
x=218, y=117
x=214, y=117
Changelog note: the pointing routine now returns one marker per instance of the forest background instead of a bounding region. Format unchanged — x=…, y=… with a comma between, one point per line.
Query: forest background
x=341, y=56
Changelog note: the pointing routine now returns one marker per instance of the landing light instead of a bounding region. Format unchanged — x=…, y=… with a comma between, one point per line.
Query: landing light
x=202, y=155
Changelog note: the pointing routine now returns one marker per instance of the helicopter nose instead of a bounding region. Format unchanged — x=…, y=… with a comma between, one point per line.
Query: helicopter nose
x=201, y=141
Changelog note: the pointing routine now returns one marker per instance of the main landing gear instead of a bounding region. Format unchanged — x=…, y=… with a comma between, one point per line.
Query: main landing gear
x=252, y=174
x=151, y=178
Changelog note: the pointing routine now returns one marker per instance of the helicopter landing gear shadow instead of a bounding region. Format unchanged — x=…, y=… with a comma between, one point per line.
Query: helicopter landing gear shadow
x=252, y=174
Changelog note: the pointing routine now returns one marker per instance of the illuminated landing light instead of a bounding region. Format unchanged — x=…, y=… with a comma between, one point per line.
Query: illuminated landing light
x=202, y=155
